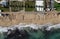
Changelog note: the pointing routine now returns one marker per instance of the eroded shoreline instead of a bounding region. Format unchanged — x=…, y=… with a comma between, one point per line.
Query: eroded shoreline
x=14, y=18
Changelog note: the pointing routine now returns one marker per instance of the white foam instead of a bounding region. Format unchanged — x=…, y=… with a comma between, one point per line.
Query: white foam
x=34, y=26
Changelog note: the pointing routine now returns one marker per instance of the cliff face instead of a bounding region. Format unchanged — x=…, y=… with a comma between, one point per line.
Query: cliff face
x=29, y=17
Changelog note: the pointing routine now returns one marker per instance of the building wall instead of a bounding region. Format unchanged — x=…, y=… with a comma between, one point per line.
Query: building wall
x=39, y=5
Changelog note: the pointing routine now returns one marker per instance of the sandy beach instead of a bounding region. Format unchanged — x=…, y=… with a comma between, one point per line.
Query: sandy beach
x=29, y=17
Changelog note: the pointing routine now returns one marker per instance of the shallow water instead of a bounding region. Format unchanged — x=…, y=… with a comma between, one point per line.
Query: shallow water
x=28, y=33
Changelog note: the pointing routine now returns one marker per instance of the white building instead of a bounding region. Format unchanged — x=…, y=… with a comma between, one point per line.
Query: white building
x=39, y=5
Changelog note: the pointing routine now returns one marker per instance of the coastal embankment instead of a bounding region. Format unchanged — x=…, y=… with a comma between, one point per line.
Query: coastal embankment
x=13, y=18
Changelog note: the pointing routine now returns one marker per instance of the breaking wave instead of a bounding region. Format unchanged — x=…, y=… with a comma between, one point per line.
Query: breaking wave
x=30, y=31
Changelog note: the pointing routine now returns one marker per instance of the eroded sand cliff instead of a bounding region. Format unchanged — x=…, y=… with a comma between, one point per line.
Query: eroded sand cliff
x=29, y=17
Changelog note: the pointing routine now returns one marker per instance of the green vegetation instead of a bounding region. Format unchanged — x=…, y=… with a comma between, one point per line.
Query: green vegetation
x=16, y=5
x=29, y=9
x=4, y=9
x=57, y=6
x=29, y=5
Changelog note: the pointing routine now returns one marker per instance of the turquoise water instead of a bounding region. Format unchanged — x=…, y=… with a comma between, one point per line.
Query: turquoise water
x=55, y=34
x=34, y=34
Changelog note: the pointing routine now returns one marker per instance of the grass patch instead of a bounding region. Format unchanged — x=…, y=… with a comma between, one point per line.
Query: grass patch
x=4, y=9
x=16, y=5
x=29, y=5
x=29, y=9
x=57, y=6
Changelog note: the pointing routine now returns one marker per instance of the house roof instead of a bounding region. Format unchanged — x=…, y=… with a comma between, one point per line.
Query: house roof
x=40, y=3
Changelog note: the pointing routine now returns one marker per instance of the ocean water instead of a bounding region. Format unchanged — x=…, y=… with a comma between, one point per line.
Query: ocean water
x=55, y=34
x=30, y=33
